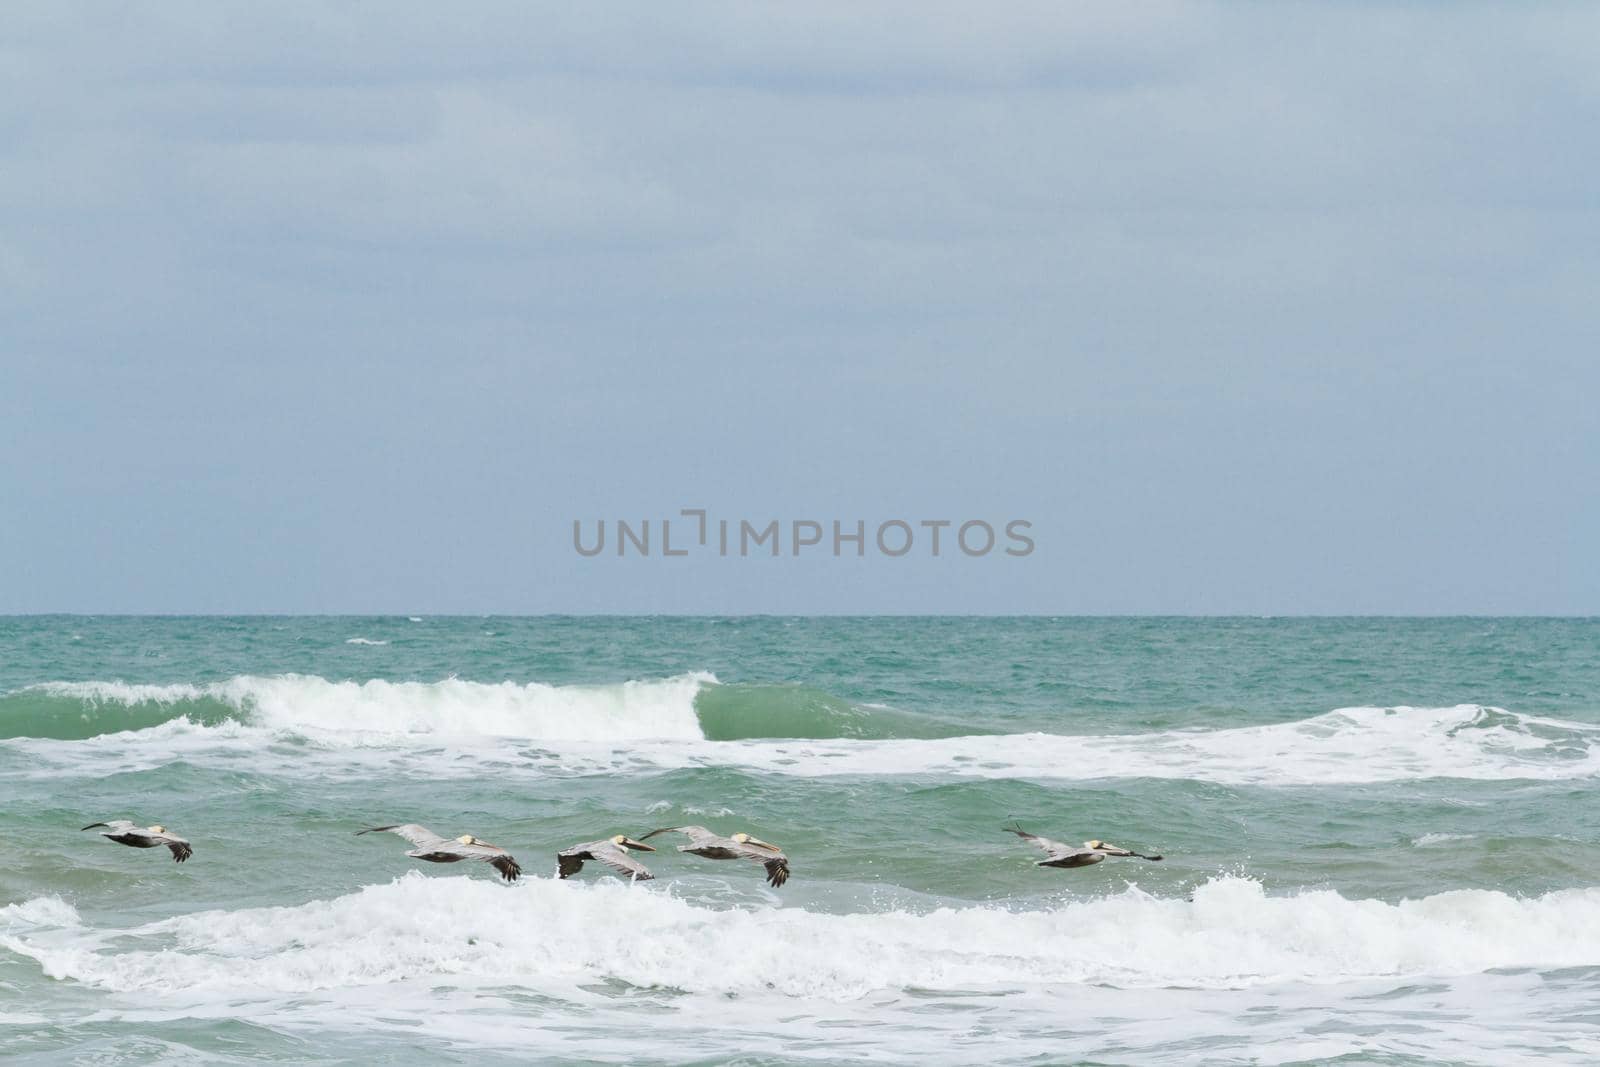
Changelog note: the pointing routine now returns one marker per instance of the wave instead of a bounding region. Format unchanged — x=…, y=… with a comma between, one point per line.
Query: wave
x=549, y=936
x=693, y=705
x=692, y=720
x=732, y=712
x=1349, y=745
x=311, y=705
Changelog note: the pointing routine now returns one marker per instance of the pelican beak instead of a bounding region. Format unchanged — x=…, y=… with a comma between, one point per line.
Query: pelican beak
x=763, y=844
x=1114, y=850
x=629, y=842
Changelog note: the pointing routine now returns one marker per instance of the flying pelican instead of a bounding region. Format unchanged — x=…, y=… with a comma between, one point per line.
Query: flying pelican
x=123, y=832
x=740, y=846
x=436, y=849
x=1061, y=855
x=611, y=851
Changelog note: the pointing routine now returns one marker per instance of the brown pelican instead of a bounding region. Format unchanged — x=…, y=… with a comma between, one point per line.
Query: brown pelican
x=1060, y=855
x=123, y=832
x=436, y=849
x=741, y=846
x=611, y=851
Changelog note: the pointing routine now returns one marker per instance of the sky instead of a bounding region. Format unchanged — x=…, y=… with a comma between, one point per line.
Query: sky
x=357, y=307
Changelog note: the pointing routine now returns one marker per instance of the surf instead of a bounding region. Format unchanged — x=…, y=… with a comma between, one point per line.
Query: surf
x=694, y=720
x=549, y=936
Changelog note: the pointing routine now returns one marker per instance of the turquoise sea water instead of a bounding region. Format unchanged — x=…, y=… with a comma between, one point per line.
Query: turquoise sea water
x=1382, y=839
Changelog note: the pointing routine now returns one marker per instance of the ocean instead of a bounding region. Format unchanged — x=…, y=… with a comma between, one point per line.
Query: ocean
x=1381, y=840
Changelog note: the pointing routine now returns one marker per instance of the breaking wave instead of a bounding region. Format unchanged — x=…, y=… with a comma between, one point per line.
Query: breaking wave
x=549, y=936
x=311, y=705
x=692, y=720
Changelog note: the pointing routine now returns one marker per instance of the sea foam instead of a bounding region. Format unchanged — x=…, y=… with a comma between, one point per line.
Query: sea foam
x=451, y=707
x=659, y=725
x=551, y=937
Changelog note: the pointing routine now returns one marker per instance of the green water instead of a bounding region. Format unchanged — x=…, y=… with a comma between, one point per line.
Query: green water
x=1381, y=839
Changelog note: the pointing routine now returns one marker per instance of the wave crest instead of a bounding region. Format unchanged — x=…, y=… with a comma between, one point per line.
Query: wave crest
x=308, y=705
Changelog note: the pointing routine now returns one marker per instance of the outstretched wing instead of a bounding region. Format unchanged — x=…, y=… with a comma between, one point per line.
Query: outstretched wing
x=570, y=862
x=494, y=855
x=695, y=834
x=420, y=836
x=619, y=860
x=777, y=871
x=1073, y=857
x=116, y=826
x=181, y=849
x=1054, y=848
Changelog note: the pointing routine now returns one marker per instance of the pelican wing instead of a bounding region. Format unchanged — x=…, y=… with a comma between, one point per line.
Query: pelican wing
x=570, y=861
x=181, y=849
x=420, y=836
x=777, y=870
x=116, y=826
x=696, y=834
x=1055, y=848
x=769, y=856
x=608, y=853
x=1073, y=857
x=494, y=855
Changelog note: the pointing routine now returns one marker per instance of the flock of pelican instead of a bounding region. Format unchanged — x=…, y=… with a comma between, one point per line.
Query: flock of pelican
x=614, y=852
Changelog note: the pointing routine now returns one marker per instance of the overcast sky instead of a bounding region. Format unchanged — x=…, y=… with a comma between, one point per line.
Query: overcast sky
x=356, y=307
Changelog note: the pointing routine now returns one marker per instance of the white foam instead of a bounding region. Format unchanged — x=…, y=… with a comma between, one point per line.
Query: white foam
x=322, y=709
x=1350, y=745
x=358, y=728
x=606, y=972
x=549, y=936
x=363, y=641
x=121, y=692
x=39, y=911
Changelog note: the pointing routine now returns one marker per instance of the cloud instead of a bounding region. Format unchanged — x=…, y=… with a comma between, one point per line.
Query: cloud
x=1072, y=256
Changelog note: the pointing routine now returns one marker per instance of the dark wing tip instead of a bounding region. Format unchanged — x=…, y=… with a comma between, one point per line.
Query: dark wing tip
x=375, y=829
x=568, y=865
x=1016, y=828
x=662, y=830
x=180, y=851
x=777, y=872
x=92, y=825
x=509, y=868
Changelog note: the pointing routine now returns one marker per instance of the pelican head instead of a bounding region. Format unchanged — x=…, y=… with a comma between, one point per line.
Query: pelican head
x=467, y=839
x=745, y=839
x=625, y=842
x=158, y=829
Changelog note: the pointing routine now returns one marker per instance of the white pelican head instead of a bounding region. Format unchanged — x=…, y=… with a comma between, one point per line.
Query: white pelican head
x=467, y=839
x=158, y=829
x=745, y=839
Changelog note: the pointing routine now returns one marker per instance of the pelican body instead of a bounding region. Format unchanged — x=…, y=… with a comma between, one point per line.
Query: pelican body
x=124, y=832
x=1058, y=854
x=436, y=849
x=740, y=846
x=611, y=851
